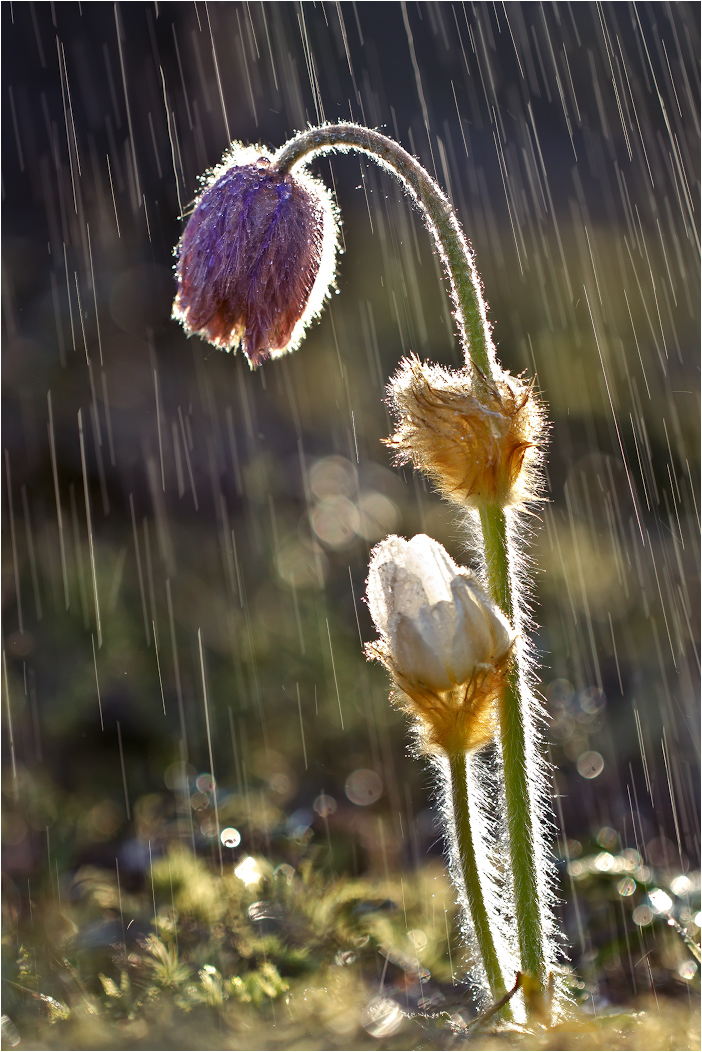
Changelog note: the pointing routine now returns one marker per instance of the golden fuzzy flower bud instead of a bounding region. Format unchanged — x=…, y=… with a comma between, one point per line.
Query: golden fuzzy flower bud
x=445, y=643
x=476, y=438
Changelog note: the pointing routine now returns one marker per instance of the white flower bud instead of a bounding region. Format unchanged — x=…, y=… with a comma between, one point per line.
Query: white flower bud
x=442, y=638
x=439, y=625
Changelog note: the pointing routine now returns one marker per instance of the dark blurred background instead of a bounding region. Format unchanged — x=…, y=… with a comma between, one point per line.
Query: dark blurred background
x=186, y=542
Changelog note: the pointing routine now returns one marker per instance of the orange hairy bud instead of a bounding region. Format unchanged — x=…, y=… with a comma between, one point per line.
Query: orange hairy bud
x=477, y=439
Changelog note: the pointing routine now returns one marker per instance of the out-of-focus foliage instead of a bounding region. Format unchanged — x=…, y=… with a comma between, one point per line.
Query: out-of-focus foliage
x=240, y=954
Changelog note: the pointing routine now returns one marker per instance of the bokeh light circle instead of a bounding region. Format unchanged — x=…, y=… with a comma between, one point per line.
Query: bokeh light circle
x=364, y=787
x=230, y=837
x=590, y=765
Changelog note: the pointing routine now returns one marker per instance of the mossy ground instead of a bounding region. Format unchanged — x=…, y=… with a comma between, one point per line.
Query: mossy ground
x=297, y=958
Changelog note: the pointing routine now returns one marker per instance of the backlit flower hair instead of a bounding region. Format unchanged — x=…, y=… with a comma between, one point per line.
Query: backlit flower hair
x=257, y=258
x=478, y=440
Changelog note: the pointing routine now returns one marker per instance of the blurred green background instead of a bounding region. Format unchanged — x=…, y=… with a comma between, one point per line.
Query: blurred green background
x=186, y=542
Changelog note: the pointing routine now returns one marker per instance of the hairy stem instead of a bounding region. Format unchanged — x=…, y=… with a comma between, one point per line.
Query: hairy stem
x=516, y=760
x=470, y=313
x=439, y=217
x=471, y=874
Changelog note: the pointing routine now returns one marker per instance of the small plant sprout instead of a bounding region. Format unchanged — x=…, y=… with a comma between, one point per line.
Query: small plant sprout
x=255, y=264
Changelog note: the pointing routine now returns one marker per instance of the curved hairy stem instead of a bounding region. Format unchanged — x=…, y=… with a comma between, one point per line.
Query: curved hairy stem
x=519, y=750
x=439, y=217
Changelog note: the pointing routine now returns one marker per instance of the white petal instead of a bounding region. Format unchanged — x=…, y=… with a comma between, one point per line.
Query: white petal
x=439, y=622
x=431, y=561
x=415, y=658
x=502, y=634
x=410, y=596
x=381, y=574
x=472, y=641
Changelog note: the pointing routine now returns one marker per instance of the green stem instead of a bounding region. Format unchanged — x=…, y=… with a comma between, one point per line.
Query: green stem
x=439, y=217
x=471, y=874
x=515, y=750
x=470, y=313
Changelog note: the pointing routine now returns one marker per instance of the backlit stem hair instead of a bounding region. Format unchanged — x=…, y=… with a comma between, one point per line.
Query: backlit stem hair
x=525, y=790
x=436, y=210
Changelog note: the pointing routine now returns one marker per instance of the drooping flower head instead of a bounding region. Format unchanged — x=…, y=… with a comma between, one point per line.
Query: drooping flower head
x=442, y=639
x=256, y=260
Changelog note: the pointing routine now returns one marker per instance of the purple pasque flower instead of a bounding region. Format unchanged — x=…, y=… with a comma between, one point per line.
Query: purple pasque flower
x=256, y=260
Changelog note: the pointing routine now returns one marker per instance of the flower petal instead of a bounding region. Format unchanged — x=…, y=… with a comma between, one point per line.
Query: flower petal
x=416, y=658
x=251, y=256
